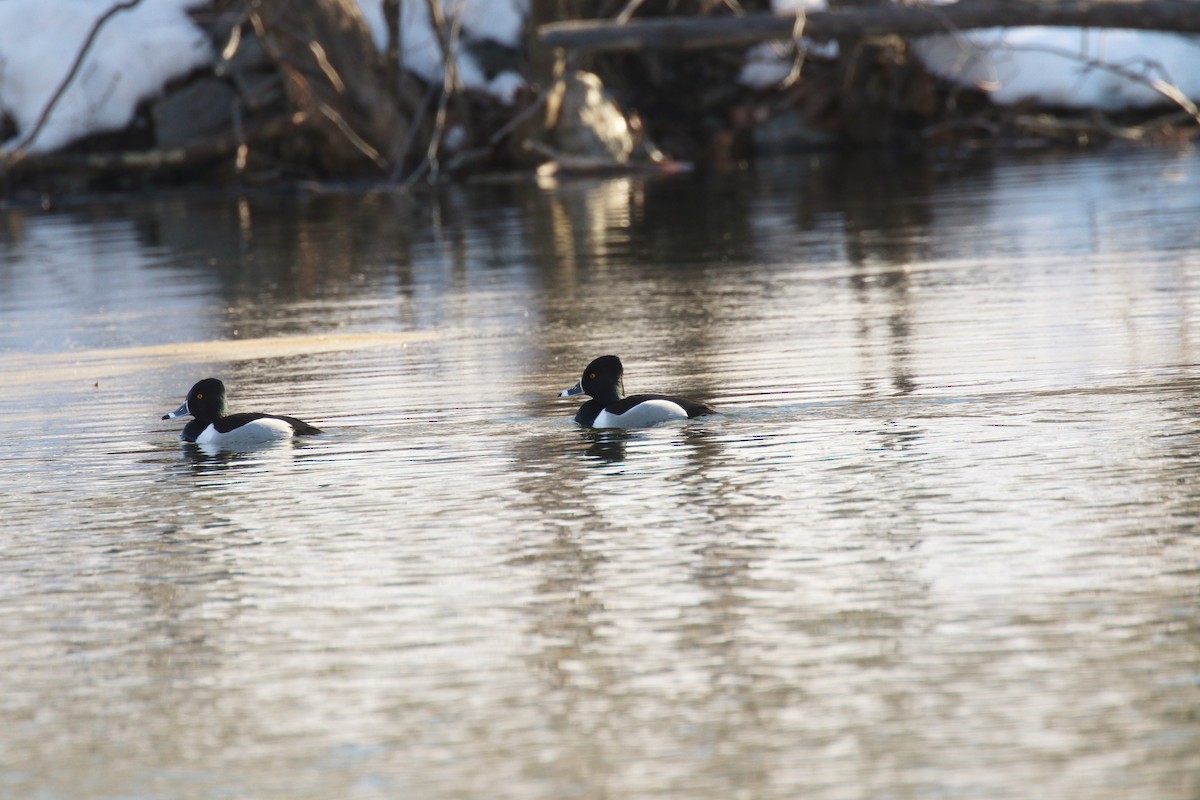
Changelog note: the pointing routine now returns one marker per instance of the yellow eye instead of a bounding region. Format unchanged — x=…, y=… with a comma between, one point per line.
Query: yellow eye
x=591, y=376
x=199, y=395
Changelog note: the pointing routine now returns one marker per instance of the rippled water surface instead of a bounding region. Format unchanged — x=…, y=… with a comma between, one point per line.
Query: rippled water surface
x=941, y=542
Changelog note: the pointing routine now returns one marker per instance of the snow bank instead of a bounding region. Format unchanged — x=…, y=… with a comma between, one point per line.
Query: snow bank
x=1051, y=66
x=137, y=52
x=1055, y=67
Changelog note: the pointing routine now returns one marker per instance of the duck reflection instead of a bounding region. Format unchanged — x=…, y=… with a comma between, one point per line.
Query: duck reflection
x=606, y=444
x=211, y=460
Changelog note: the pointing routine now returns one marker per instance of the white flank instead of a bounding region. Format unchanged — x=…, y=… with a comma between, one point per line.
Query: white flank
x=650, y=412
x=256, y=432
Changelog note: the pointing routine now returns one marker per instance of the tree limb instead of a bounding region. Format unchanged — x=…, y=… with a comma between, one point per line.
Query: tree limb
x=191, y=154
x=693, y=33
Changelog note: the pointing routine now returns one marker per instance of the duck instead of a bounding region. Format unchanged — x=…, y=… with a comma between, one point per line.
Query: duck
x=602, y=380
x=212, y=423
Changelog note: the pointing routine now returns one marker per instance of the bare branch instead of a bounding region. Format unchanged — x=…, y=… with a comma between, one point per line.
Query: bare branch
x=411, y=138
x=689, y=33
x=628, y=11
x=449, y=45
x=331, y=74
x=352, y=136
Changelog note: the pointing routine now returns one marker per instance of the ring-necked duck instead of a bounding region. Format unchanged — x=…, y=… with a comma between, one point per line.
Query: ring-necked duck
x=212, y=424
x=610, y=408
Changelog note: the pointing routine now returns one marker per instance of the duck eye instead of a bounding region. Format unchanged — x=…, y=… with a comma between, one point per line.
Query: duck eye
x=591, y=376
x=199, y=395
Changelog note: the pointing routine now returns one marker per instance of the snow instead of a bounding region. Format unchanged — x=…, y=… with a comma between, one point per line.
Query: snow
x=140, y=50
x=796, y=6
x=766, y=66
x=501, y=21
x=1051, y=66
x=505, y=86
x=1055, y=67
x=137, y=52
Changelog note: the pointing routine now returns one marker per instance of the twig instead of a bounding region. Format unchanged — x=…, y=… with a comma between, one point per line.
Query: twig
x=16, y=153
x=331, y=74
x=449, y=77
x=801, y=51
x=393, y=56
x=231, y=46
x=523, y=115
x=411, y=138
x=628, y=11
x=242, y=154
x=352, y=136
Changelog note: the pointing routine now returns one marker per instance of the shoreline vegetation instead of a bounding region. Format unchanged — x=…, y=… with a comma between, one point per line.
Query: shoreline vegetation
x=299, y=91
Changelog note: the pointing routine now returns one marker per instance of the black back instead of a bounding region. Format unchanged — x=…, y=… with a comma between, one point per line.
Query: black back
x=692, y=407
x=233, y=421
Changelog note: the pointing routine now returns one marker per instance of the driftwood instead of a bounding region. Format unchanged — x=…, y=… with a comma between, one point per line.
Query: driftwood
x=200, y=151
x=335, y=76
x=693, y=33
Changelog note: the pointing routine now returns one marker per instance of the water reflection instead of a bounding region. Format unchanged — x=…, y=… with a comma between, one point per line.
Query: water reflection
x=606, y=445
x=940, y=540
x=227, y=464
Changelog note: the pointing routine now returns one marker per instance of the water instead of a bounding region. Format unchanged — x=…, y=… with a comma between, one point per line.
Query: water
x=942, y=542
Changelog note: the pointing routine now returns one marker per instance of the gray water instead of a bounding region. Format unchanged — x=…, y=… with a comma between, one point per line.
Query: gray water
x=941, y=542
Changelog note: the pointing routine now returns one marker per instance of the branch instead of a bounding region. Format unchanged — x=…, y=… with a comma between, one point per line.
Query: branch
x=191, y=154
x=692, y=33
x=448, y=41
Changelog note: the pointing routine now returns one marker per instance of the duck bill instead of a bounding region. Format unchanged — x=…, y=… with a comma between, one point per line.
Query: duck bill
x=182, y=411
x=576, y=389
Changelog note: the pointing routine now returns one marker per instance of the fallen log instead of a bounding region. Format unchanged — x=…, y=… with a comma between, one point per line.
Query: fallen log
x=196, y=153
x=694, y=33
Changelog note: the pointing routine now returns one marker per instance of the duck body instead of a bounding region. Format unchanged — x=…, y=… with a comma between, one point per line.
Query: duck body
x=639, y=411
x=211, y=424
x=603, y=380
